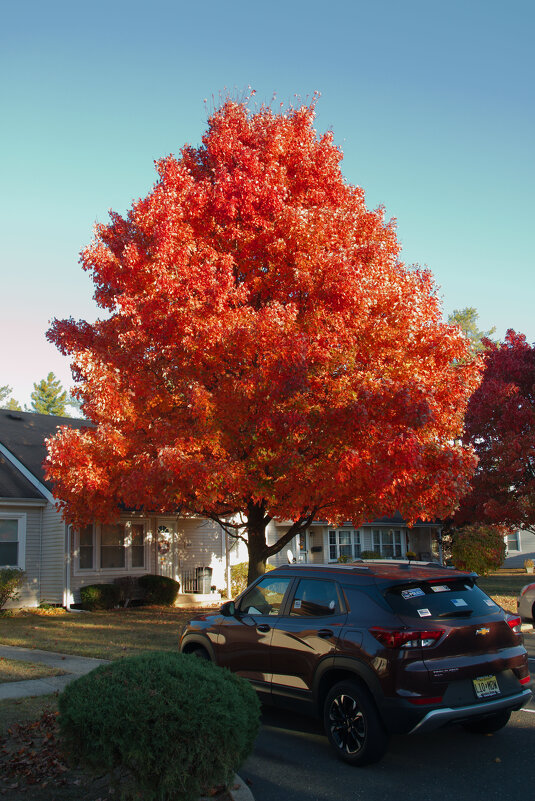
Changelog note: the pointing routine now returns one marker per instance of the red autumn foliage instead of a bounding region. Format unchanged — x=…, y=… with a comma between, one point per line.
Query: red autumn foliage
x=266, y=352
x=500, y=425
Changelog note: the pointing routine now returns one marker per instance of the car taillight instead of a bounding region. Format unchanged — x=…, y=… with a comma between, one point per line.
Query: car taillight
x=403, y=638
x=525, y=680
x=515, y=623
x=423, y=701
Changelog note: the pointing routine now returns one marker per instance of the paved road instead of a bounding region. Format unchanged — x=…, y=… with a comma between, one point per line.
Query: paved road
x=292, y=762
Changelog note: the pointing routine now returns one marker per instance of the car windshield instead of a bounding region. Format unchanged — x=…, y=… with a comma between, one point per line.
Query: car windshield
x=441, y=598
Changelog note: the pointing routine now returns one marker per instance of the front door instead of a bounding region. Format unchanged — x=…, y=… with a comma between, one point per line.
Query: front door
x=166, y=549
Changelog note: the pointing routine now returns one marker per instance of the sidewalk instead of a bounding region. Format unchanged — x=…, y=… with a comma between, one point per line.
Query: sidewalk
x=74, y=666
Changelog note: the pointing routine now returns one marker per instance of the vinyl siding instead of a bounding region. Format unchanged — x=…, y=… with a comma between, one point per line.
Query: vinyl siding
x=53, y=556
x=29, y=594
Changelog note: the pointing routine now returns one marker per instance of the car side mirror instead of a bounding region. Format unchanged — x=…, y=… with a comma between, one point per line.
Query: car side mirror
x=228, y=609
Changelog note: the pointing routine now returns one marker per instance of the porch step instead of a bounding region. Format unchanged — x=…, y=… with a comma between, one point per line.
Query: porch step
x=198, y=599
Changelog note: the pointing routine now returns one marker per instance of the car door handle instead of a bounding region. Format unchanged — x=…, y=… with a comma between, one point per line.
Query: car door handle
x=263, y=627
x=325, y=633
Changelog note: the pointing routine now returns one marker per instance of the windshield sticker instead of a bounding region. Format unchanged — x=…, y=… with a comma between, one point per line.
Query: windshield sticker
x=412, y=593
x=331, y=604
x=440, y=588
x=424, y=612
x=458, y=602
x=297, y=605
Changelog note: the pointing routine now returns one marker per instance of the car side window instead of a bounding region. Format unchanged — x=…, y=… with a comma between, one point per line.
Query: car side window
x=315, y=598
x=266, y=597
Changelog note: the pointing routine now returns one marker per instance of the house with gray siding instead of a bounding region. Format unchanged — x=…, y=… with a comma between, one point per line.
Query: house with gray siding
x=58, y=560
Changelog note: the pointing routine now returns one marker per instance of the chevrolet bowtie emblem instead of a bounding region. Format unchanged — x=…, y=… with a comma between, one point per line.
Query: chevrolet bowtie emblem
x=482, y=631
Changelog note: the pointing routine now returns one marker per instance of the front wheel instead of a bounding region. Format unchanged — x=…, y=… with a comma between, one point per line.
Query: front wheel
x=489, y=724
x=352, y=724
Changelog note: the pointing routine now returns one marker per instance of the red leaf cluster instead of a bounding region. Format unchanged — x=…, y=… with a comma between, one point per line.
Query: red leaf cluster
x=500, y=425
x=263, y=345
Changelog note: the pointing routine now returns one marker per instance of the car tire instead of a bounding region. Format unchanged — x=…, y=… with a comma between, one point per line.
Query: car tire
x=488, y=725
x=352, y=724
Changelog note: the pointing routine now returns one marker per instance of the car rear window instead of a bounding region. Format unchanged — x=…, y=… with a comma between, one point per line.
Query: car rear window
x=440, y=598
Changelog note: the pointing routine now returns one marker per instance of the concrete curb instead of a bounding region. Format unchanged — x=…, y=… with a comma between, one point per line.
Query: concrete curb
x=241, y=792
x=238, y=791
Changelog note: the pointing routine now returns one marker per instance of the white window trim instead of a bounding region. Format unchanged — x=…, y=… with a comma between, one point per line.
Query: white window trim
x=382, y=531
x=83, y=571
x=352, y=531
x=20, y=517
x=518, y=548
x=97, y=570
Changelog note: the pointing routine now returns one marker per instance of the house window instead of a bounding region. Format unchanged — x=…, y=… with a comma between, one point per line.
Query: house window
x=86, y=548
x=512, y=542
x=112, y=547
x=387, y=542
x=345, y=543
x=12, y=540
x=137, y=544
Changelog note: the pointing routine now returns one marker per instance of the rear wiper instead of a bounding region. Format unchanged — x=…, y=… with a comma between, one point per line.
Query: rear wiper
x=457, y=613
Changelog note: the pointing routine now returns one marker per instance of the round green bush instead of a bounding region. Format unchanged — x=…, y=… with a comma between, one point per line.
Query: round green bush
x=176, y=724
x=100, y=596
x=159, y=590
x=480, y=548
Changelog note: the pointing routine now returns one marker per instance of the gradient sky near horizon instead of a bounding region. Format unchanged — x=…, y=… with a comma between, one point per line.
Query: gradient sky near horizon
x=432, y=104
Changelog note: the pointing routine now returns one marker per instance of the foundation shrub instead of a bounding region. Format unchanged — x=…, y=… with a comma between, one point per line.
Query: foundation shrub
x=172, y=725
x=100, y=596
x=11, y=580
x=159, y=590
x=370, y=555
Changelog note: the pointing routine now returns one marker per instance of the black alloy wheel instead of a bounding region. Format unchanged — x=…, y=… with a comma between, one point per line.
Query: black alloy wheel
x=352, y=724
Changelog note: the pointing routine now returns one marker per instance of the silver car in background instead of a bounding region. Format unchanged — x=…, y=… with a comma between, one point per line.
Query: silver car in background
x=526, y=602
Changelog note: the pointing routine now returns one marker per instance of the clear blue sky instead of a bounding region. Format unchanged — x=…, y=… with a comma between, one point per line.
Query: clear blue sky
x=431, y=102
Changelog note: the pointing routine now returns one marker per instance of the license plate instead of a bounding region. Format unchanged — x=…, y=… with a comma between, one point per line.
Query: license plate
x=486, y=686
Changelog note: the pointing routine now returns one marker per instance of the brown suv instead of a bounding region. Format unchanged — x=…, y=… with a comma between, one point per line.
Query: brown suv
x=374, y=647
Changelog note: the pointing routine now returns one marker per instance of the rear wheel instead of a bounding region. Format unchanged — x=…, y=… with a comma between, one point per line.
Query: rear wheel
x=488, y=725
x=352, y=724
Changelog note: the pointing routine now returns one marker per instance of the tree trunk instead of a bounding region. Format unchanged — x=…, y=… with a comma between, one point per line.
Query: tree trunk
x=256, y=535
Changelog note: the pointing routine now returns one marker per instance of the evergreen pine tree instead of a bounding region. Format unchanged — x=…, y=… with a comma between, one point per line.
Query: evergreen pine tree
x=49, y=397
x=6, y=402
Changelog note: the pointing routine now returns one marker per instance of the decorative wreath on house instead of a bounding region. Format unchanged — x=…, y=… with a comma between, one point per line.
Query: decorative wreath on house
x=163, y=547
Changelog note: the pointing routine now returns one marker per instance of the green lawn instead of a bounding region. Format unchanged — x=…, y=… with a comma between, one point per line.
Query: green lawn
x=505, y=582
x=106, y=635
x=14, y=670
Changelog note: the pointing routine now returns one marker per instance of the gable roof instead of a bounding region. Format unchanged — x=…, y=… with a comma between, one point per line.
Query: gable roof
x=23, y=434
x=14, y=485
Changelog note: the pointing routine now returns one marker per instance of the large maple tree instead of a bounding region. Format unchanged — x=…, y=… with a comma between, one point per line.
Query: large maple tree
x=266, y=355
x=500, y=424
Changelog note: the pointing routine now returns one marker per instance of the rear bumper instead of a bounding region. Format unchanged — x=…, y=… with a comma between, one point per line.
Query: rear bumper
x=447, y=715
